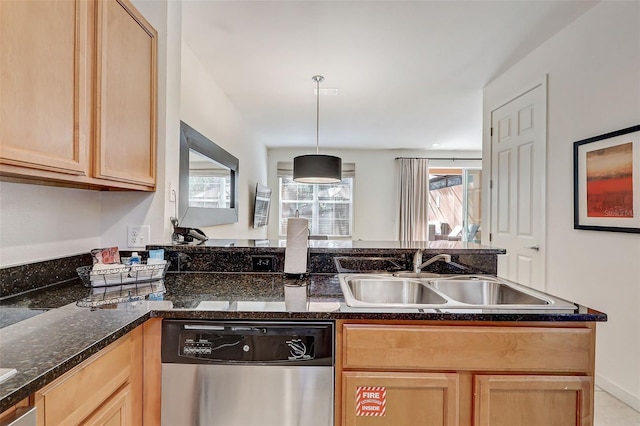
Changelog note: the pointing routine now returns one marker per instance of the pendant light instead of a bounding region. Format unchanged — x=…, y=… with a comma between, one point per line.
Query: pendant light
x=316, y=168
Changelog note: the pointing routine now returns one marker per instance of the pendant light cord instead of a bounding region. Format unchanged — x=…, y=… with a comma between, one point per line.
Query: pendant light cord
x=317, y=79
x=317, y=116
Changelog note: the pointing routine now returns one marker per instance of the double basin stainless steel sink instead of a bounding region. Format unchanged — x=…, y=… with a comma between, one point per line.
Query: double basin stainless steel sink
x=432, y=291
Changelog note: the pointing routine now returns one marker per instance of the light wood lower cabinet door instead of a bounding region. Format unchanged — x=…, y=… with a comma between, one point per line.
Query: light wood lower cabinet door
x=507, y=400
x=114, y=412
x=103, y=390
x=399, y=399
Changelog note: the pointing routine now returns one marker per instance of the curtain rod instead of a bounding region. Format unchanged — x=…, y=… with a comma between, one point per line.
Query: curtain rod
x=438, y=158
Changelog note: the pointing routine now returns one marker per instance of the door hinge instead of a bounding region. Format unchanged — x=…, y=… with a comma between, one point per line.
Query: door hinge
x=491, y=184
x=491, y=131
x=490, y=236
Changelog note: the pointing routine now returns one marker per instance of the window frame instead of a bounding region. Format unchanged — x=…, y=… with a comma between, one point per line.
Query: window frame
x=315, y=202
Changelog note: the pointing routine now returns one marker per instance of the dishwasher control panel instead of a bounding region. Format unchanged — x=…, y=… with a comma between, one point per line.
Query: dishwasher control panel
x=247, y=342
x=201, y=347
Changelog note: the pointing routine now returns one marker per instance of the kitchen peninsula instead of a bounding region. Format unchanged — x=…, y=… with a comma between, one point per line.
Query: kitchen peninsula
x=497, y=355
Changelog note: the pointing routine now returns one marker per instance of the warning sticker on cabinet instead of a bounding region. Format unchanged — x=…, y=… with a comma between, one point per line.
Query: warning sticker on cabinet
x=371, y=400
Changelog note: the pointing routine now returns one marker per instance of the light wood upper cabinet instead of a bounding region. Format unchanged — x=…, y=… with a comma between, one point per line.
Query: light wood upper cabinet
x=45, y=83
x=78, y=90
x=126, y=95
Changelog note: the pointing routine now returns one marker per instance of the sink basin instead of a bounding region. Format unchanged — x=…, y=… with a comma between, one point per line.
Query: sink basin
x=419, y=291
x=485, y=292
x=390, y=291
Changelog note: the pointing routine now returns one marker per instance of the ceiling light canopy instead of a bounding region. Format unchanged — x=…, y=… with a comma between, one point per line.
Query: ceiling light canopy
x=316, y=168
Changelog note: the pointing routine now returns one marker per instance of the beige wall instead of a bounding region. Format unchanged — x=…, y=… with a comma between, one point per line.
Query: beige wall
x=376, y=199
x=207, y=109
x=593, y=71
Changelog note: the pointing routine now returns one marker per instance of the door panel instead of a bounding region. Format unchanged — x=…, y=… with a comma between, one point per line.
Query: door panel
x=518, y=149
x=45, y=85
x=502, y=400
x=408, y=399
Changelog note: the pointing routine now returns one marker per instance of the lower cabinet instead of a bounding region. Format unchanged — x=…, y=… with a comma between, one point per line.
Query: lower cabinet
x=502, y=374
x=116, y=411
x=507, y=400
x=106, y=389
x=400, y=398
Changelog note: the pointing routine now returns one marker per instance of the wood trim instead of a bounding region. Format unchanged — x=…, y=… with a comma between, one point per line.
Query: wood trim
x=465, y=386
x=9, y=411
x=338, y=372
x=136, y=378
x=152, y=372
x=446, y=348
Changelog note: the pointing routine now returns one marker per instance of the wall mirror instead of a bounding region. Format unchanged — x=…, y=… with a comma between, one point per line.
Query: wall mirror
x=208, y=181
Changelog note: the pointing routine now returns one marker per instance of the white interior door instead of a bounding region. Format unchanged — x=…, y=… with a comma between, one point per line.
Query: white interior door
x=518, y=149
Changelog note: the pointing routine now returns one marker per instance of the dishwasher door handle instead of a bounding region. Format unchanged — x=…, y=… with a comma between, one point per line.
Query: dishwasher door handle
x=204, y=327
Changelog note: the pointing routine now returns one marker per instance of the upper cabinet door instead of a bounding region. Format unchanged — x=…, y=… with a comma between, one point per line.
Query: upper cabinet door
x=45, y=85
x=125, y=145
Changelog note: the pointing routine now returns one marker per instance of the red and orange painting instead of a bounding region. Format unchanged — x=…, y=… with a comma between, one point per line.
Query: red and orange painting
x=610, y=181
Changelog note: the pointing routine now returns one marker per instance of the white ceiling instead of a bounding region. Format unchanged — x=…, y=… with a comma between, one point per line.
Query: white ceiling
x=409, y=73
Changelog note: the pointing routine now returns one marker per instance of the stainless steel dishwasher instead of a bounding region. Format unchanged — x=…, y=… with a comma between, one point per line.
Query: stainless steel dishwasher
x=247, y=373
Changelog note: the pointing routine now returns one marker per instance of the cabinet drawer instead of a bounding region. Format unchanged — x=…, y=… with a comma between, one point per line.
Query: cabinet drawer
x=78, y=393
x=477, y=348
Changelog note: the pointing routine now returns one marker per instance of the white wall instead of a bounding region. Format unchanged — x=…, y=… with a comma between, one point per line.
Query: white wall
x=43, y=222
x=206, y=108
x=593, y=69
x=376, y=187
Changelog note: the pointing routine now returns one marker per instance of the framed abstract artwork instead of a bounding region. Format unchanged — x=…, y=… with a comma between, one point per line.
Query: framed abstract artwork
x=606, y=182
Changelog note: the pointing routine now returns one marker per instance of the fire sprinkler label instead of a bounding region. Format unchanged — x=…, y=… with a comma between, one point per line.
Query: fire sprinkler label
x=371, y=400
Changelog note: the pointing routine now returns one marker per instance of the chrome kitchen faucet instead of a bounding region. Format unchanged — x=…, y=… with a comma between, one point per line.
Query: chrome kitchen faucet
x=418, y=264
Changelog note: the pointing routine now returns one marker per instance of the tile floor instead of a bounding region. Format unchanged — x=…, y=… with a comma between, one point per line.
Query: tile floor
x=610, y=411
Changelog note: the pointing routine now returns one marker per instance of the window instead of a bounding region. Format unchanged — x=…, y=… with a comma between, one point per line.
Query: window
x=328, y=207
x=209, y=190
x=455, y=202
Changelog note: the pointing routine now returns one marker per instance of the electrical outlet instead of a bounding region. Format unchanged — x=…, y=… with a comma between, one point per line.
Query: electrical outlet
x=264, y=263
x=138, y=235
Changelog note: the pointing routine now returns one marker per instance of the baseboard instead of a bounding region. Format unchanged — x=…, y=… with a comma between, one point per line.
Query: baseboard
x=614, y=390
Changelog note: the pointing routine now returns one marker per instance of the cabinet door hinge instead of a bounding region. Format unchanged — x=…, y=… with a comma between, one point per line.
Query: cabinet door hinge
x=490, y=236
x=491, y=131
x=491, y=184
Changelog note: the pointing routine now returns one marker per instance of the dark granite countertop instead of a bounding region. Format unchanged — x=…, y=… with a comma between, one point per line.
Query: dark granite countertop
x=59, y=332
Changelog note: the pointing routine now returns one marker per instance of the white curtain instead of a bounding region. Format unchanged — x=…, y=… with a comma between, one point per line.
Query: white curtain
x=414, y=199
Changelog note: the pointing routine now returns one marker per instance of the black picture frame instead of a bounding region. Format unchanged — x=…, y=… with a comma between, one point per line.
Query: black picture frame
x=606, y=182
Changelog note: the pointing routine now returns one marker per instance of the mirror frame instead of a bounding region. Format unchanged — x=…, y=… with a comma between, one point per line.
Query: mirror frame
x=191, y=139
